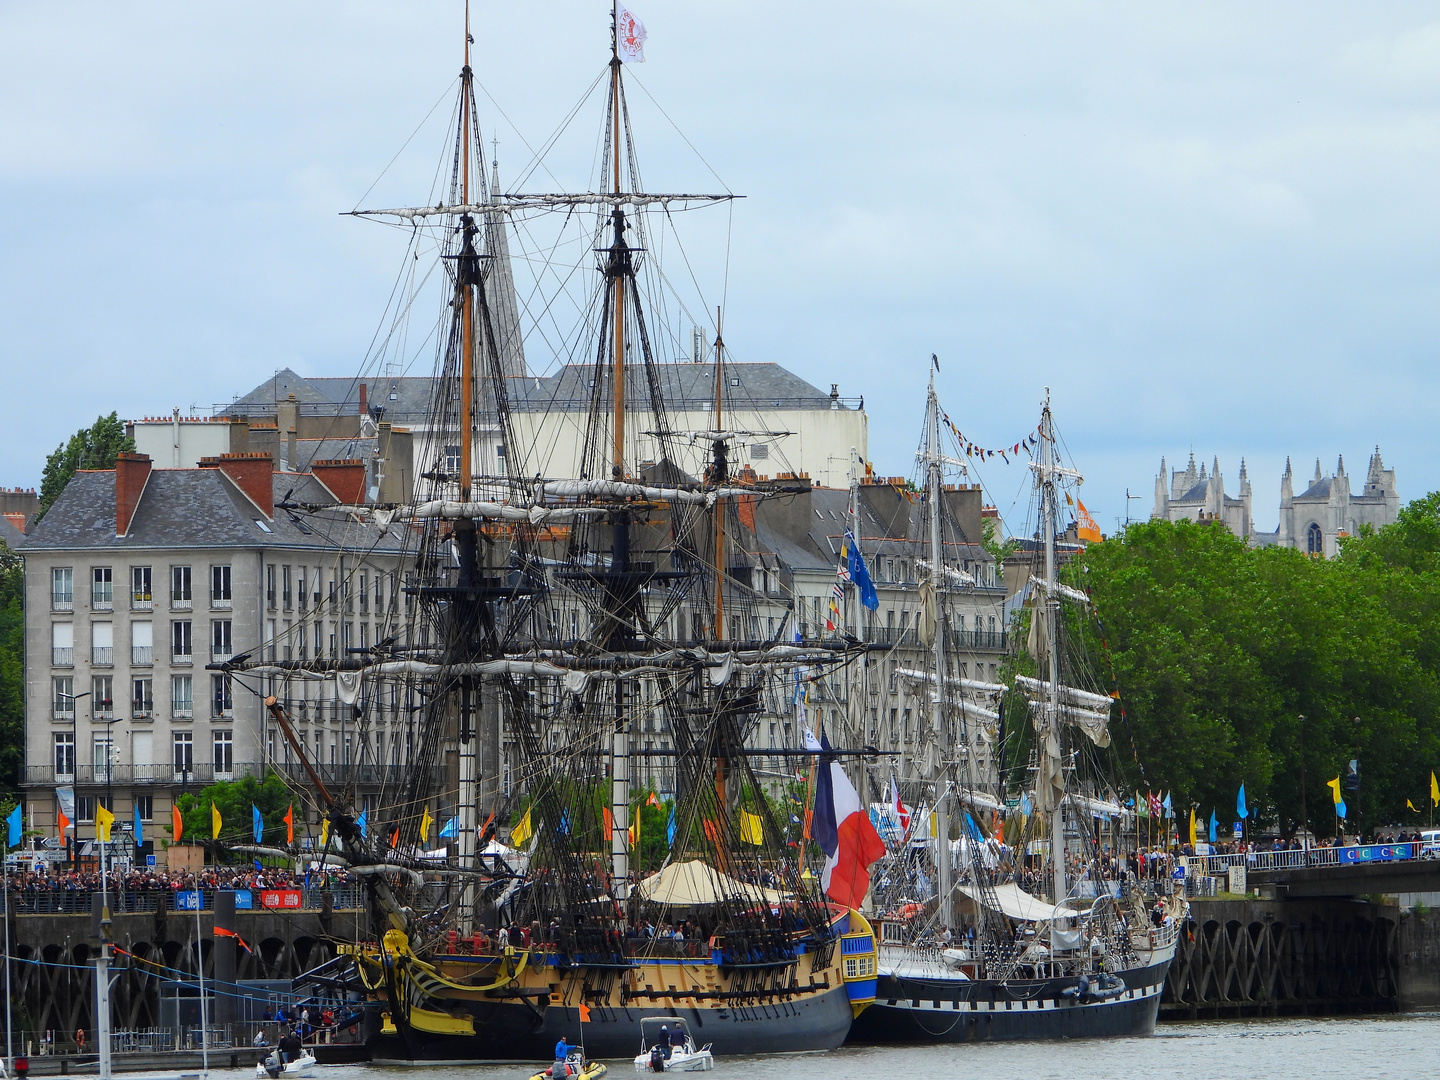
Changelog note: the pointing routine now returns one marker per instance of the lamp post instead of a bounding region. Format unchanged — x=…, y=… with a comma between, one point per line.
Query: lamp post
x=74, y=752
x=1304, y=813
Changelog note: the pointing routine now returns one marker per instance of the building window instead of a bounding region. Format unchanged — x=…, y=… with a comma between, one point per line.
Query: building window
x=62, y=690
x=181, y=641
x=221, y=701
x=142, y=644
x=364, y=591
x=85, y=807
x=452, y=460
x=62, y=588
x=220, y=586
x=144, y=807
x=64, y=753
x=102, y=643
x=141, y=598
x=180, y=595
x=183, y=754
x=142, y=697
x=220, y=639
x=102, y=588
x=102, y=695
x=1314, y=540
x=379, y=605
x=103, y=751
x=270, y=586
x=182, y=696
x=301, y=586
x=270, y=639
x=286, y=589
x=224, y=756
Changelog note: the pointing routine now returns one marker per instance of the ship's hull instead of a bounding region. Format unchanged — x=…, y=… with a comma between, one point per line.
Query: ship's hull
x=913, y=1006
x=517, y=1032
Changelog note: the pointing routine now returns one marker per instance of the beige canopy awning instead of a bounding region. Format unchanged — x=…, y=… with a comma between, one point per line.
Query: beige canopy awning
x=1018, y=904
x=694, y=884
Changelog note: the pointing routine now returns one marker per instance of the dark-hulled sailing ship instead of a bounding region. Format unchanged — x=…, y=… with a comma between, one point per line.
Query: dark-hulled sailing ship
x=561, y=611
x=1089, y=962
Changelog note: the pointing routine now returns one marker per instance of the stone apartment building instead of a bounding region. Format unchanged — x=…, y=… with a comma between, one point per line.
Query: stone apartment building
x=137, y=578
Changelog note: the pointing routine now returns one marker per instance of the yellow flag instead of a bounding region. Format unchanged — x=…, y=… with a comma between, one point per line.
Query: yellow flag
x=214, y=822
x=103, y=820
x=521, y=832
x=635, y=830
x=1334, y=786
x=752, y=830
x=324, y=832
x=934, y=828
x=1411, y=805
x=1434, y=790
x=425, y=820
x=1193, y=839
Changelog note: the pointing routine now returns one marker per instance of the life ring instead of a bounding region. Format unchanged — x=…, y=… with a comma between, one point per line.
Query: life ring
x=79, y=1036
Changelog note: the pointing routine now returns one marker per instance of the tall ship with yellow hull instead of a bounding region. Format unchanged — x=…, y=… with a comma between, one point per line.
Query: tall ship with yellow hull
x=543, y=621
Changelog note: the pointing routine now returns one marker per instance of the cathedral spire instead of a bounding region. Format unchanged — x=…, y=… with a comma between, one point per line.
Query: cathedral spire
x=1319, y=475
x=500, y=284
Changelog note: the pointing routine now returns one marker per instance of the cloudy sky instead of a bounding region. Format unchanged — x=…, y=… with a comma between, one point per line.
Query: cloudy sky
x=1203, y=226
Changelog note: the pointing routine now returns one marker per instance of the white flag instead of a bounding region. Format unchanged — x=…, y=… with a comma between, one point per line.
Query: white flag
x=629, y=36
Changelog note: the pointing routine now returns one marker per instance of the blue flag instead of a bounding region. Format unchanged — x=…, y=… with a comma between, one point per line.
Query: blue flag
x=670, y=828
x=139, y=832
x=1240, y=810
x=259, y=868
x=364, y=826
x=1025, y=805
x=1341, y=809
x=12, y=838
x=1169, y=811
x=564, y=822
x=259, y=823
x=451, y=829
x=1214, y=827
x=860, y=575
x=972, y=828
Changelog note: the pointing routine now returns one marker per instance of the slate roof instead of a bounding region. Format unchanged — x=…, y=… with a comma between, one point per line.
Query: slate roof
x=760, y=386
x=12, y=536
x=201, y=508
x=1320, y=489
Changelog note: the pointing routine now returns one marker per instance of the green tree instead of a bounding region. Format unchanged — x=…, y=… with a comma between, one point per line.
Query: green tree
x=12, y=670
x=95, y=447
x=234, y=799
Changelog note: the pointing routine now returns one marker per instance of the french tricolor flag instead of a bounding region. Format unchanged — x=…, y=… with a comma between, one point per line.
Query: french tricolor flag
x=843, y=830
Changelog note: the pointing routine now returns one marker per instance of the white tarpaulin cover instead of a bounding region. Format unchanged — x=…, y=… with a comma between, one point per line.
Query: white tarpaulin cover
x=1018, y=904
x=693, y=884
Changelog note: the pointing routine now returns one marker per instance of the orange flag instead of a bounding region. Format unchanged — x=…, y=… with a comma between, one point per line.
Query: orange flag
x=395, y=837
x=176, y=821
x=62, y=824
x=289, y=820
x=609, y=820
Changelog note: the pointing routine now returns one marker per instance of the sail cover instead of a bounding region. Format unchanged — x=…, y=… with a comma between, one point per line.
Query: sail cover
x=694, y=884
x=1018, y=904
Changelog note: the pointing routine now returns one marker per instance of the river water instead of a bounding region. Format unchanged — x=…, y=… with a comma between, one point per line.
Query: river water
x=1402, y=1047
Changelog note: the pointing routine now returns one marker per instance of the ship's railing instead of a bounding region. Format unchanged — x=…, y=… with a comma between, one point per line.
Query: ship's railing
x=1290, y=859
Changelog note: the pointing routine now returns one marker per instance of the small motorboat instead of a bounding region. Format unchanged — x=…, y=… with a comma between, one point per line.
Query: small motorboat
x=1095, y=987
x=576, y=1068
x=273, y=1068
x=666, y=1046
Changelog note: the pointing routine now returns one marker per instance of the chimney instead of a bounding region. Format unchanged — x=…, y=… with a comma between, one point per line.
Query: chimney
x=253, y=474
x=131, y=473
x=364, y=403
x=287, y=418
x=345, y=477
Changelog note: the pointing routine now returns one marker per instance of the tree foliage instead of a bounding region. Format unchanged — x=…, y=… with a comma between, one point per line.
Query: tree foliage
x=234, y=799
x=1262, y=665
x=95, y=447
x=12, y=670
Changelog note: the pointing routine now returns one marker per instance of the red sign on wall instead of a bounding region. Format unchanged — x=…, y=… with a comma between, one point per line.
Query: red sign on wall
x=280, y=898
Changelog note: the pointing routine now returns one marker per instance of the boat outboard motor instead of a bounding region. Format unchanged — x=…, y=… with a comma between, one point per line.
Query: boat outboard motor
x=272, y=1064
x=657, y=1059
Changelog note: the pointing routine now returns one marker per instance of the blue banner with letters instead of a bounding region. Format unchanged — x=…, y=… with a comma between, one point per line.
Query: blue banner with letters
x=244, y=900
x=1376, y=853
x=189, y=900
